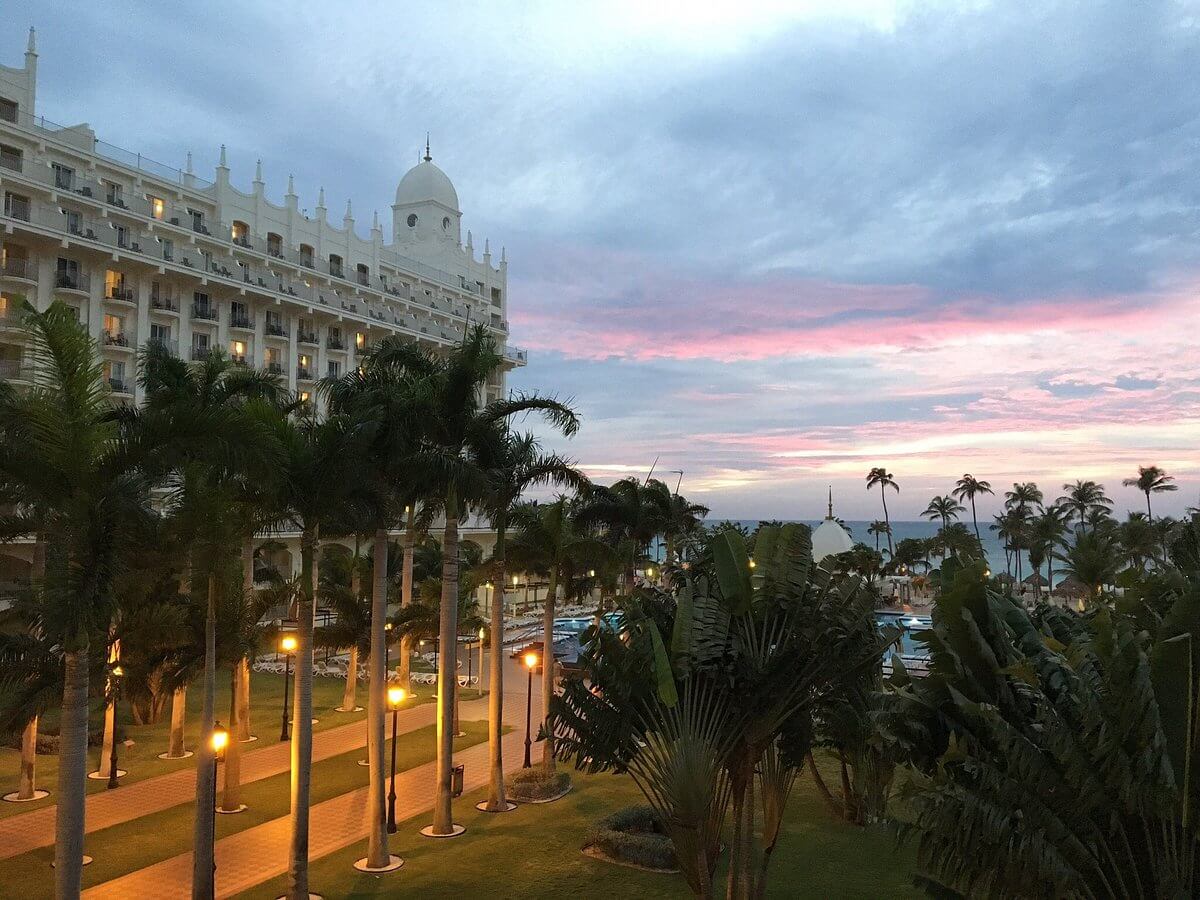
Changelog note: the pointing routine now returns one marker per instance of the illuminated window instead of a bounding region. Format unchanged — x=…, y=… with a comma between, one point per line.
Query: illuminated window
x=360, y=340
x=112, y=325
x=238, y=232
x=304, y=361
x=157, y=207
x=237, y=348
x=304, y=395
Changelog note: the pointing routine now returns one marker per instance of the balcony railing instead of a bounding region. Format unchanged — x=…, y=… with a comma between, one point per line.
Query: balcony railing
x=119, y=386
x=307, y=337
x=73, y=281
x=170, y=346
x=14, y=369
x=17, y=267
x=117, y=292
x=17, y=208
x=9, y=160
x=241, y=320
x=303, y=373
x=170, y=304
x=335, y=343
x=115, y=339
x=276, y=329
x=200, y=352
x=207, y=313
x=239, y=360
x=274, y=368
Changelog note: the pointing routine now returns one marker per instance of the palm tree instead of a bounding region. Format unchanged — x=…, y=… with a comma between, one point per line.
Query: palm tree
x=1045, y=532
x=88, y=467
x=968, y=488
x=514, y=464
x=881, y=477
x=684, y=520
x=1151, y=480
x=207, y=496
x=943, y=509
x=1083, y=497
x=1023, y=496
x=877, y=528
x=322, y=474
x=1139, y=539
x=1092, y=558
x=549, y=540
x=633, y=512
x=456, y=427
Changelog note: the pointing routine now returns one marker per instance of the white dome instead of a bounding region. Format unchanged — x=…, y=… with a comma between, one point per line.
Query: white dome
x=830, y=539
x=425, y=182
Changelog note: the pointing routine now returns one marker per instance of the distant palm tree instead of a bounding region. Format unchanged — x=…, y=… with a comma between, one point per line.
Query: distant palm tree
x=943, y=509
x=1045, y=532
x=1139, y=539
x=1023, y=496
x=968, y=488
x=1084, y=497
x=1093, y=559
x=877, y=528
x=1151, y=480
x=881, y=477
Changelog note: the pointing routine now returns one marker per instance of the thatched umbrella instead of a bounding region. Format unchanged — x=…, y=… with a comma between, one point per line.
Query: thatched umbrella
x=1072, y=587
x=1037, y=580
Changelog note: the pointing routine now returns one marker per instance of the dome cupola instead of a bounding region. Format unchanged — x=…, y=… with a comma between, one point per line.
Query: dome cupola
x=830, y=538
x=426, y=207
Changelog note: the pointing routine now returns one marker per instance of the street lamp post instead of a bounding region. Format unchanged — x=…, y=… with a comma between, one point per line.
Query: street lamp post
x=387, y=654
x=482, y=632
x=395, y=698
x=531, y=661
x=114, y=679
x=220, y=738
x=288, y=645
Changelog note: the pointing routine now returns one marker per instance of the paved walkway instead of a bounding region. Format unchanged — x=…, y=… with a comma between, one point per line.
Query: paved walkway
x=28, y=831
x=258, y=854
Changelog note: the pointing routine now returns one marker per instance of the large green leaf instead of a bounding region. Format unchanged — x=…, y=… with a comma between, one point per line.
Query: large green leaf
x=662, y=668
x=1175, y=691
x=733, y=570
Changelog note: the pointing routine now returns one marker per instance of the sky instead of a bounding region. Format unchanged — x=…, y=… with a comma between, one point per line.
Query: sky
x=770, y=245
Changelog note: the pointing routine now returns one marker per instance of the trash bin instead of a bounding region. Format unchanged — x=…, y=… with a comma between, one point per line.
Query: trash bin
x=456, y=781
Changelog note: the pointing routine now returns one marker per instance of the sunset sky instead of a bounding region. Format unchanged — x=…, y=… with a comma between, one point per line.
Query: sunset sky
x=771, y=244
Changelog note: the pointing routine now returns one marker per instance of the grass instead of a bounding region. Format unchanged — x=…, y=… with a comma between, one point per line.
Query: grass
x=141, y=760
x=534, y=852
x=150, y=839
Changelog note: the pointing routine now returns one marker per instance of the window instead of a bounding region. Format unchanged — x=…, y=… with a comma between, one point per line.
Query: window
x=113, y=325
x=14, y=261
x=168, y=248
x=240, y=232
x=335, y=265
x=306, y=255
x=197, y=220
x=364, y=274
x=275, y=324
x=64, y=177
x=360, y=340
x=274, y=244
x=335, y=369
x=8, y=306
x=239, y=315
x=8, y=109
x=200, y=341
x=160, y=334
x=446, y=224
x=207, y=256
x=16, y=206
x=114, y=286
x=114, y=193
x=114, y=372
x=304, y=396
x=304, y=366
x=237, y=351
x=157, y=207
x=412, y=220
x=10, y=158
x=73, y=220
x=271, y=360
x=122, y=236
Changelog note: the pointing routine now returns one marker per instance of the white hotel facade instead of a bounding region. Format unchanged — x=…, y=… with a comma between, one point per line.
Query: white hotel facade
x=145, y=253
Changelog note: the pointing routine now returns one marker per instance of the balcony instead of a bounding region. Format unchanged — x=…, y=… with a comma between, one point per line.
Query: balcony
x=16, y=208
x=204, y=313
x=73, y=281
x=307, y=337
x=276, y=329
x=16, y=267
x=335, y=343
x=303, y=374
x=274, y=368
x=115, y=339
x=239, y=360
x=200, y=352
x=119, y=386
x=169, y=346
x=119, y=293
x=9, y=160
x=241, y=320
x=14, y=370
x=164, y=304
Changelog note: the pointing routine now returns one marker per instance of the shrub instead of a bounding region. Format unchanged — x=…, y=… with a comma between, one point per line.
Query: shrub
x=633, y=835
x=536, y=784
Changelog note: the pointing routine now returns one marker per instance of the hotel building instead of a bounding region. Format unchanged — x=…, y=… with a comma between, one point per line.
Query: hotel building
x=144, y=252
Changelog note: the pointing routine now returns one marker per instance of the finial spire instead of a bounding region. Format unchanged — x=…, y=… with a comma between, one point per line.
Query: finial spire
x=830, y=516
x=291, y=184
x=349, y=214
x=258, y=171
x=428, y=157
x=375, y=221
x=321, y=198
x=222, y=163
x=189, y=163
x=31, y=47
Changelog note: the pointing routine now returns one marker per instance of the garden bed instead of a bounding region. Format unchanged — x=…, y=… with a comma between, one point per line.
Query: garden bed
x=536, y=786
x=632, y=836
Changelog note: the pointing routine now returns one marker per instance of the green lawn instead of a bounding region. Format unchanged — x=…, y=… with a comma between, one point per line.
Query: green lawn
x=145, y=841
x=141, y=760
x=534, y=852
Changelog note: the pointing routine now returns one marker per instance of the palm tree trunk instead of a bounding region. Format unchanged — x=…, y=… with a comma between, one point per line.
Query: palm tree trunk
x=27, y=782
x=175, y=747
x=206, y=774
x=443, y=822
x=497, y=801
x=244, y=701
x=231, y=794
x=548, y=664
x=301, y=781
x=349, y=698
x=975, y=522
x=886, y=520
x=377, y=842
x=1149, y=513
x=104, y=766
x=242, y=682
x=72, y=776
x=406, y=589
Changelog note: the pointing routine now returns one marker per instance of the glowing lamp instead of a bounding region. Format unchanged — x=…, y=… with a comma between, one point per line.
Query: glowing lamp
x=220, y=737
x=396, y=695
x=531, y=660
x=288, y=644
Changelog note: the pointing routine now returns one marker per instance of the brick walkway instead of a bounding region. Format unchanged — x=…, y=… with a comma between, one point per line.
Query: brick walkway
x=28, y=831
x=258, y=854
